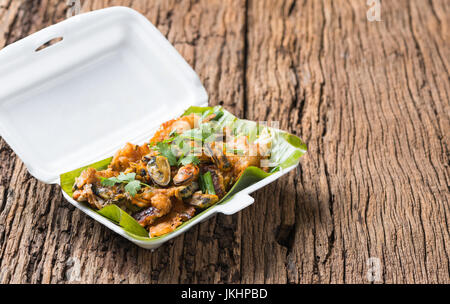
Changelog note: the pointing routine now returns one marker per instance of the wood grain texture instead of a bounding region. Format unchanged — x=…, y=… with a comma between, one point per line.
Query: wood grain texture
x=371, y=99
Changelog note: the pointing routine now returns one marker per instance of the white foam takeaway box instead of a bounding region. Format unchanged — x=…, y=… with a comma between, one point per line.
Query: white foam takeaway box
x=112, y=79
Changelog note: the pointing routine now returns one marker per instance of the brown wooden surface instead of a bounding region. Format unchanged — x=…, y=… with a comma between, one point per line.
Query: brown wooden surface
x=371, y=99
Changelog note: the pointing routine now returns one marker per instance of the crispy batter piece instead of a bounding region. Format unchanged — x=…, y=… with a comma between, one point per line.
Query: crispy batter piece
x=128, y=154
x=179, y=214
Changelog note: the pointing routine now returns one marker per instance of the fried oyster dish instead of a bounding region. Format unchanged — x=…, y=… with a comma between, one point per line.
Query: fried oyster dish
x=188, y=165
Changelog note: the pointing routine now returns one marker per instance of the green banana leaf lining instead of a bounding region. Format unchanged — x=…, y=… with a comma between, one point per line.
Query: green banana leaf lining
x=286, y=152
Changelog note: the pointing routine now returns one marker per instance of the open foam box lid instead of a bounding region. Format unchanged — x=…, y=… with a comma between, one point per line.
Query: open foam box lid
x=113, y=78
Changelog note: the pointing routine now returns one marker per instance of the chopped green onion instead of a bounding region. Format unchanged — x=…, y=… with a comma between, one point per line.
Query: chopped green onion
x=201, y=183
x=275, y=169
x=219, y=114
x=208, y=183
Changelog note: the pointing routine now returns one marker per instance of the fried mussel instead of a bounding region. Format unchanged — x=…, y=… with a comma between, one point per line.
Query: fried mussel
x=163, y=187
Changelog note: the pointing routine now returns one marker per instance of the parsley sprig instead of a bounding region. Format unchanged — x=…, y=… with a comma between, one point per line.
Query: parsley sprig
x=132, y=186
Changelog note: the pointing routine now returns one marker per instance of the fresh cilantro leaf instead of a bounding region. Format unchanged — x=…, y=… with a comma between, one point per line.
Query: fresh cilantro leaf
x=109, y=182
x=126, y=177
x=189, y=159
x=165, y=150
x=133, y=187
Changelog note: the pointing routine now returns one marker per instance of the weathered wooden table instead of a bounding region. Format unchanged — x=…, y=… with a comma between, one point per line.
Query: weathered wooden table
x=371, y=99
